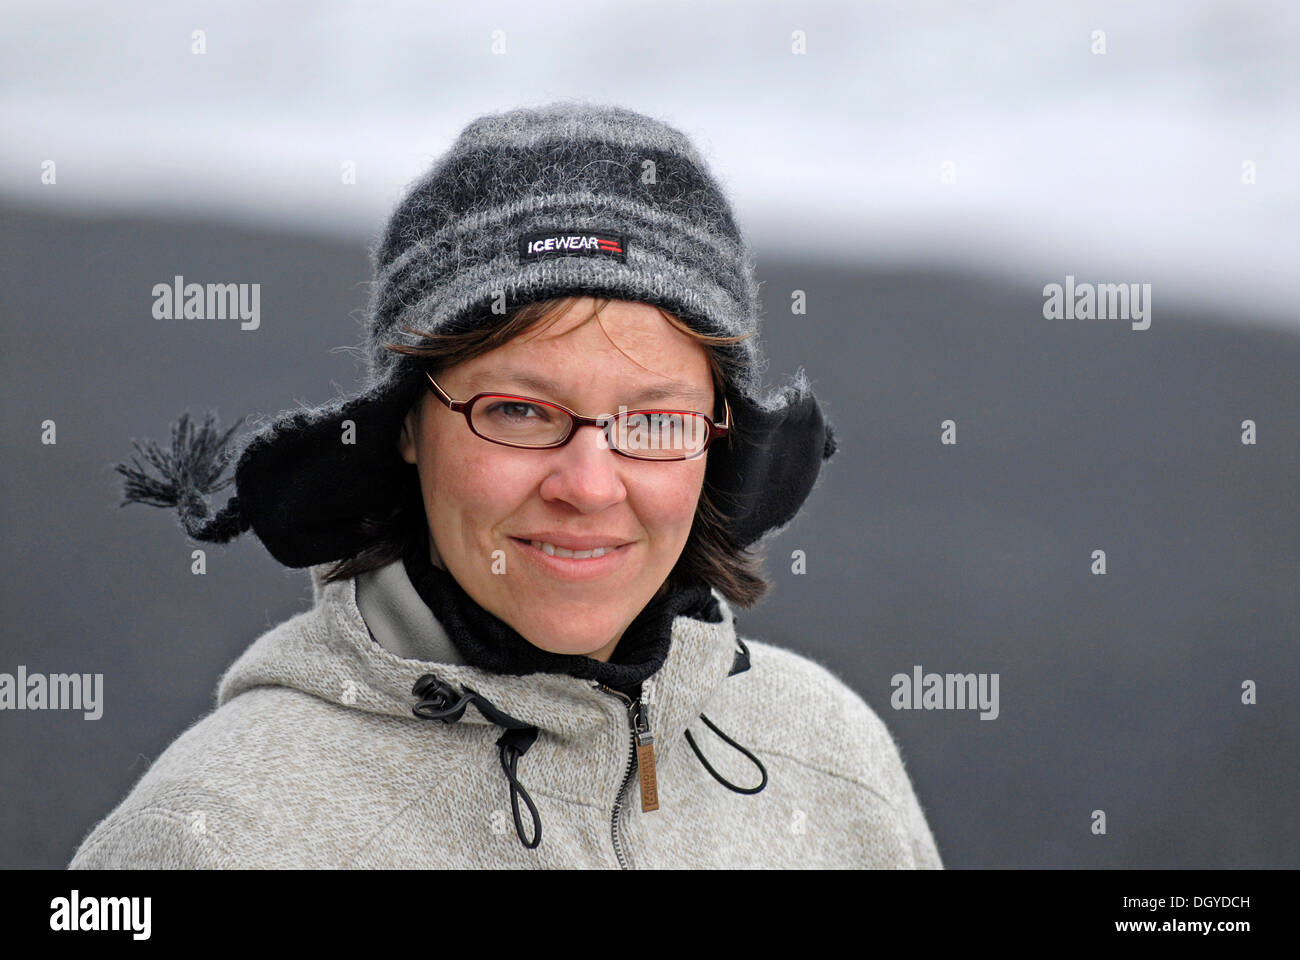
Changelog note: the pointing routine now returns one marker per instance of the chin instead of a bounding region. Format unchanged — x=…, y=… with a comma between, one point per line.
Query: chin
x=566, y=638
x=570, y=646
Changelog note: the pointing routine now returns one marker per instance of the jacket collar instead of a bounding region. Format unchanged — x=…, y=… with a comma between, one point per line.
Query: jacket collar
x=328, y=652
x=399, y=620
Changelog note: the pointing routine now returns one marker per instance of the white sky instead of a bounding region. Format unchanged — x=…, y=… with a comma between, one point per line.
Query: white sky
x=1117, y=168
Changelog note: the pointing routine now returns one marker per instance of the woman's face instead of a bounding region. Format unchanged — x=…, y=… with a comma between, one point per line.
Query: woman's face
x=482, y=497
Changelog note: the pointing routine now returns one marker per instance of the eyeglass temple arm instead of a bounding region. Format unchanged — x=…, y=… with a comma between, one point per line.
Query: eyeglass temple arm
x=442, y=394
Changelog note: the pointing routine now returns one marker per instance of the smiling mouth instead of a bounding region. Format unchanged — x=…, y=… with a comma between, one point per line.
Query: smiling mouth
x=552, y=550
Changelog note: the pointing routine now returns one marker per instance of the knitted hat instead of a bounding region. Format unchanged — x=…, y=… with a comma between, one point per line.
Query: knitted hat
x=527, y=205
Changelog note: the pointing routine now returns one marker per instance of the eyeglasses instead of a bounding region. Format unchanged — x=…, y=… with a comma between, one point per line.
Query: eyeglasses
x=534, y=424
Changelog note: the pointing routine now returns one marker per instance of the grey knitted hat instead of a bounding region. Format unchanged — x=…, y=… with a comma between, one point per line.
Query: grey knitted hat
x=534, y=203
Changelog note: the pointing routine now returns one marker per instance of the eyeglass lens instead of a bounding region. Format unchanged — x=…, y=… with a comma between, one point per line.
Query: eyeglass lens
x=652, y=434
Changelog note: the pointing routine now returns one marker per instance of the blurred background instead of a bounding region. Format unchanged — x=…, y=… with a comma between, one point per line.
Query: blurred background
x=921, y=172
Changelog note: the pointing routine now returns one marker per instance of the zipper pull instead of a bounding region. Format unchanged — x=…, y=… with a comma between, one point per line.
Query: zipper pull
x=645, y=755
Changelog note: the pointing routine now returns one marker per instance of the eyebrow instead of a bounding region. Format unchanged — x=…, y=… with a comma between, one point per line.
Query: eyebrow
x=645, y=394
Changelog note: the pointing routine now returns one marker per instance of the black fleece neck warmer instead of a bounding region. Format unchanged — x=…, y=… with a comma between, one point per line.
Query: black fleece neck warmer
x=487, y=642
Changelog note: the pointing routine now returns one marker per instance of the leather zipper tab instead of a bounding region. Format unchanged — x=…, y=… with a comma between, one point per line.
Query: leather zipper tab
x=645, y=759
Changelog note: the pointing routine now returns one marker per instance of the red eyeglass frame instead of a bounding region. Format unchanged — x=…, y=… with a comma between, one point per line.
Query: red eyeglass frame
x=716, y=430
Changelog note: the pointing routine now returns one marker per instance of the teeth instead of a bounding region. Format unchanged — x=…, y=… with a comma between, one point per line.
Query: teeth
x=555, y=551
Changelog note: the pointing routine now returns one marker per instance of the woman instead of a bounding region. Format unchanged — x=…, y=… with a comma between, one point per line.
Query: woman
x=525, y=537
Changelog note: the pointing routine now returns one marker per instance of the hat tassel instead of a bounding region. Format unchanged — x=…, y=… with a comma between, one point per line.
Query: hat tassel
x=187, y=475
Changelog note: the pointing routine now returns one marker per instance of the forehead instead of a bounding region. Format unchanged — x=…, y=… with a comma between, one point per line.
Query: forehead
x=628, y=350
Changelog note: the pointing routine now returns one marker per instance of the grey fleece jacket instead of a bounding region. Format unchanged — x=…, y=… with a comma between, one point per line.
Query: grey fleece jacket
x=313, y=758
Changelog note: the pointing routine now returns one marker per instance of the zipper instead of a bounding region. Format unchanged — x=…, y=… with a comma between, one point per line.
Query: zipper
x=641, y=754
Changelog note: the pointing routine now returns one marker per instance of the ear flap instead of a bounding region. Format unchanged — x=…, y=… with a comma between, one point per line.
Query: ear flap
x=306, y=485
x=766, y=471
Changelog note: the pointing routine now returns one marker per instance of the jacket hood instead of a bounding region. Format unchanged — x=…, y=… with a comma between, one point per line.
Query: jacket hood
x=327, y=652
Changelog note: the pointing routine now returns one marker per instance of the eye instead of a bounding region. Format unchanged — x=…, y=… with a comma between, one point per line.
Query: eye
x=516, y=411
x=659, y=420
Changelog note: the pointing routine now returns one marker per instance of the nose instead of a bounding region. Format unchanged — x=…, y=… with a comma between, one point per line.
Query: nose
x=585, y=472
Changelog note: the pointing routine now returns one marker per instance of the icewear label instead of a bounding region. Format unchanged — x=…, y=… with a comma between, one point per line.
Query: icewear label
x=566, y=243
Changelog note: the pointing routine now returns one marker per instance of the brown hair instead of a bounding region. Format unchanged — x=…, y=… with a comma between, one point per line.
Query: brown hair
x=709, y=554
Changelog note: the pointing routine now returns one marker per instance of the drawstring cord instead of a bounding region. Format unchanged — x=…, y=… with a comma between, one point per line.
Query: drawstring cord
x=512, y=745
x=717, y=776
x=740, y=665
x=440, y=701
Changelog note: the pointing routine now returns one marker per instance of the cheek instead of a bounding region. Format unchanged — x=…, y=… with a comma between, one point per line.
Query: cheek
x=667, y=498
x=470, y=485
